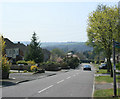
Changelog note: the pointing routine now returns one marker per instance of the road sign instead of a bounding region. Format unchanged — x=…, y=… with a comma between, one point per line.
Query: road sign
x=117, y=44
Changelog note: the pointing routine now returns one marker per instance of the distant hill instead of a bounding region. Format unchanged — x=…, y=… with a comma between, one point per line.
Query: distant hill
x=65, y=46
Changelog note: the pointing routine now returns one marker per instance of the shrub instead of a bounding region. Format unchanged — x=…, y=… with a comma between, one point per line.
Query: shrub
x=25, y=62
x=5, y=64
x=73, y=62
x=22, y=62
x=34, y=68
x=64, y=65
x=25, y=71
x=42, y=65
x=30, y=62
x=52, y=65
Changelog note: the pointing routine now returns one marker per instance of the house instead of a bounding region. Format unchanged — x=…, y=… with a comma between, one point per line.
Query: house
x=17, y=51
x=14, y=51
x=72, y=54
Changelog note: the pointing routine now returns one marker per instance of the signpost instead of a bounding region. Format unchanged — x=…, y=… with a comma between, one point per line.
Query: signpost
x=114, y=70
x=119, y=30
x=115, y=45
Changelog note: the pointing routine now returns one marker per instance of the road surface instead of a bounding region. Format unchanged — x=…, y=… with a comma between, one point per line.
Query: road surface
x=75, y=83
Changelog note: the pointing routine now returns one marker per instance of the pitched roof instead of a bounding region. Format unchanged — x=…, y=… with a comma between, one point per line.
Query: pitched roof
x=9, y=45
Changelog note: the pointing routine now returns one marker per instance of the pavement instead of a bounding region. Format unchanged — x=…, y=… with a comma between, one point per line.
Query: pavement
x=75, y=83
x=105, y=85
x=99, y=86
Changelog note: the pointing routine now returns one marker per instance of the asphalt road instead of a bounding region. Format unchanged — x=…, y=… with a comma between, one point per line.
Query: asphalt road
x=76, y=83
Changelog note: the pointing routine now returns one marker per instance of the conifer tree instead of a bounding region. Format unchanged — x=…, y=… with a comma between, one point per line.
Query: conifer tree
x=34, y=50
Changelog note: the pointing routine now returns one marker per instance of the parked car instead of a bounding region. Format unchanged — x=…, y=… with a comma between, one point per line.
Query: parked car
x=87, y=67
x=103, y=66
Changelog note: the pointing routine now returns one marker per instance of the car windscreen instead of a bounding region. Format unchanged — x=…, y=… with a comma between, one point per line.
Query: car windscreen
x=103, y=64
x=86, y=66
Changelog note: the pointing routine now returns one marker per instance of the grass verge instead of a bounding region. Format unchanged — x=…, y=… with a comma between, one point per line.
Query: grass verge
x=105, y=93
x=104, y=79
x=102, y=71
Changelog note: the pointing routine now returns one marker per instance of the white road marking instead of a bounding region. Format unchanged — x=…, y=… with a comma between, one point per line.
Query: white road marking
x=60, y=81
x=68, y=77
x=45, y=89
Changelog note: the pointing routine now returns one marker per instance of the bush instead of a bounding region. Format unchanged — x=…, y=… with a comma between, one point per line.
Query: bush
x=5, y=64
x=25, y=71
x=73, y=62
x=34, y=68
x=22, y=62
x=16, y=67
x=42, y=65
x=5, y=68
x=64, y=65
x=25, y=62
x=53, y=66
x=30, y=62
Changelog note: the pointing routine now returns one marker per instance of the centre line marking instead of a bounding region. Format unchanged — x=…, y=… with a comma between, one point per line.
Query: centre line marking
x=60, y=81
x=68, y=77
x=45, y=89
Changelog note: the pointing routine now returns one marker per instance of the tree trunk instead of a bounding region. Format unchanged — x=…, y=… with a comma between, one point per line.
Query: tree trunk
x=109, y=67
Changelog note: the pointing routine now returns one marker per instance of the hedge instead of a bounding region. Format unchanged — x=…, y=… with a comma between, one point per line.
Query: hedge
x=24, y=67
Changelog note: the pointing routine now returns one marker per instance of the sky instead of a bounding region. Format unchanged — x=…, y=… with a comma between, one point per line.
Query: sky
x=52, y=21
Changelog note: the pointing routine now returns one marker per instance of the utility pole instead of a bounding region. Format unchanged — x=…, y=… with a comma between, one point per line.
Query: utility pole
x=114, y=70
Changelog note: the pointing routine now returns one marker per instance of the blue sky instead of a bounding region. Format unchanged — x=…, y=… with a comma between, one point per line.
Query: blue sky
x=52, y=21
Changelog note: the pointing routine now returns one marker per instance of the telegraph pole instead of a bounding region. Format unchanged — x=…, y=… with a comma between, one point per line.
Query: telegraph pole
x=114, y=70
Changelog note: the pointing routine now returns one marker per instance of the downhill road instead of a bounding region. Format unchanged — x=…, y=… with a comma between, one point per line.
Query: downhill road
x=75, y=83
